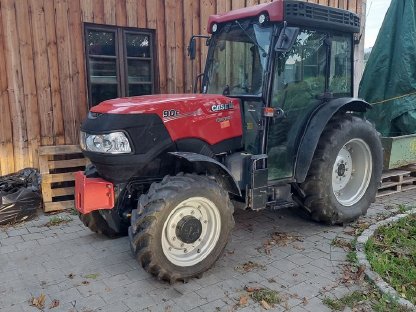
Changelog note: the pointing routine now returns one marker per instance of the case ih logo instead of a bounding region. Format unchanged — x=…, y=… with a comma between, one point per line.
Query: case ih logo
x=221, y=107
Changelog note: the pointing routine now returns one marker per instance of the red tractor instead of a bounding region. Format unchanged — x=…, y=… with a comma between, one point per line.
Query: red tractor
x=275, y=122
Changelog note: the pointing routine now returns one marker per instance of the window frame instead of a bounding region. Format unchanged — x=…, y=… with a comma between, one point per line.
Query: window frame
x=121, y=57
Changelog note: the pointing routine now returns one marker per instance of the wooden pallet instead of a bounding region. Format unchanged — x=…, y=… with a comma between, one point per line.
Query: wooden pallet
x=395, y=181
x=57, y=166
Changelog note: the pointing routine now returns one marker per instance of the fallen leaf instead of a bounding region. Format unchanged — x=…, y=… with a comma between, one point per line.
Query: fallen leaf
x=54, y=304
x=249, y=266
x=38, y=302
x=265, y=305
x=360, y=273
x=243, y=300
x=251, y=289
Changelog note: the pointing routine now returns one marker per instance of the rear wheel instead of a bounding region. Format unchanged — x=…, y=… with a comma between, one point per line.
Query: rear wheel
x=181, y=227
x=345, y=172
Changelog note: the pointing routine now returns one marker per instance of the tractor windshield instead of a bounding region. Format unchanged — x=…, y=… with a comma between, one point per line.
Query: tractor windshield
x=238, y=59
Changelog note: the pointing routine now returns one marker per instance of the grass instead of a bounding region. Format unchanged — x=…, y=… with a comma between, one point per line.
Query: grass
x=73, y=212
x=58, y=220
x=350, y=300
x=392, y=254
x=370, y=297
x=92, y=276
x=342, y=243
x=270, y=296
x=404, y=208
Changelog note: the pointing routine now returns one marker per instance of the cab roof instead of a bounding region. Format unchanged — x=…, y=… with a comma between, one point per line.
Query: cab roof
x=273, y=9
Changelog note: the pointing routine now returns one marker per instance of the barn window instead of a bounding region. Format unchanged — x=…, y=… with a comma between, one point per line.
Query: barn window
x=120, y=62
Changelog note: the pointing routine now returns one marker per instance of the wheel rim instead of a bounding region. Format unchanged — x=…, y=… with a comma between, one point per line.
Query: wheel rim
x=351, y=173
x=191, y=231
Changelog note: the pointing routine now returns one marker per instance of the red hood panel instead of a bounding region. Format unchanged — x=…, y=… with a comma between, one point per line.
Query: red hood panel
x=211, y=118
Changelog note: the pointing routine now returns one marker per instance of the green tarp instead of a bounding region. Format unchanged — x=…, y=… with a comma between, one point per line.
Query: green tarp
x=389, y=80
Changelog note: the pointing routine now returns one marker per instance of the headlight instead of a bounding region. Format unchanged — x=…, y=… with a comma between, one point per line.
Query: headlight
x=111, y=143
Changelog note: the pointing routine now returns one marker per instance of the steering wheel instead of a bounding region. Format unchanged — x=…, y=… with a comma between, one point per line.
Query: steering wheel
x=228, y=88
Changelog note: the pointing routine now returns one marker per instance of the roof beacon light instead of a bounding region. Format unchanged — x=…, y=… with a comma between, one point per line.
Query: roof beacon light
x=214, y=28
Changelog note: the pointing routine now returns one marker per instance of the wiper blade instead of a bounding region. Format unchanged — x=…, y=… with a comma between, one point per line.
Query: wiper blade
x=252, y=40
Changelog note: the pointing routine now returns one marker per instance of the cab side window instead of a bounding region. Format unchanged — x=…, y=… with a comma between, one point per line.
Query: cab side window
x=340, y=65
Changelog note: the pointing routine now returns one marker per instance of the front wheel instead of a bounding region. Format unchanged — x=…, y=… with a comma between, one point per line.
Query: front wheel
x=96, y=223
x=181, y=227
x=345, y=172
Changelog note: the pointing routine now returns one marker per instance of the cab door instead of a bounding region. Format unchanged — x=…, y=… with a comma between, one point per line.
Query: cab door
x=302, y=76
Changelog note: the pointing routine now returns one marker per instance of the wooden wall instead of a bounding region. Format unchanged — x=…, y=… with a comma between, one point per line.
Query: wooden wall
x=42, y=65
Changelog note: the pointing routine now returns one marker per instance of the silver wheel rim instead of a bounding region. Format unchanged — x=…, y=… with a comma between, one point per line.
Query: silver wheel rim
x=185, y=254
x=351, y=173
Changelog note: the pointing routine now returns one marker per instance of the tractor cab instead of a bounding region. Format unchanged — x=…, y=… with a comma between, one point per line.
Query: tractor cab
x=283, y=61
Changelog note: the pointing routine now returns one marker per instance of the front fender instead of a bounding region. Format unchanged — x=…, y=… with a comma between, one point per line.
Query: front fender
x=213, y=167
x=316, y=125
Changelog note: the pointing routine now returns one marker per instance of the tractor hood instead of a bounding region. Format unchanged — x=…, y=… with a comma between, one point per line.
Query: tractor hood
x=210, y=118
x=167, y=105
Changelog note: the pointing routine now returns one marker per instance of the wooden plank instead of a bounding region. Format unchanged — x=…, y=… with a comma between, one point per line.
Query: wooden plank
x=196, y=26
x=250, y=3
x=87, y=11
x=59, y=150
x=58, y=177
x=40, y=56
x=408, y=187
x=385, y=193
x=15, y=84
x=237, y=4
x=69, y=163
x=69, y=105
x=385, y=185
x=171, y=58
x=121, y=13
x=155, y=13
x=56, y=206
x=223, y=6
x=6, y=135
x=188, y=30
x=98, y=11
x=174, y=46
x=394, y=173
x=53, y=70
x=78, y=76
x=110, y=12
x=342, y=4
x=208, y=7
x=46, y=192
x=29, y=82
x=63, y=191
x=141, y=13
x=333, y=3
x=352, y=5
x=131, y=11
x=43, y=164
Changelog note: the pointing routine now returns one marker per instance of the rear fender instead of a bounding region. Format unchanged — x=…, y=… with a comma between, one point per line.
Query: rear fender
x=316, y=126
x=213, y=167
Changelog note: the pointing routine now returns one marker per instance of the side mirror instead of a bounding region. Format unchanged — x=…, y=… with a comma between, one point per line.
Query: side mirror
x=286, y=39
x=192, y=48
